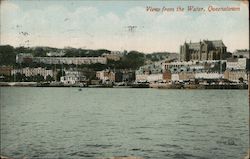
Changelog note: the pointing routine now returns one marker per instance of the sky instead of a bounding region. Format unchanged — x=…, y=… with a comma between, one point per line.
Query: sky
x=103, y=24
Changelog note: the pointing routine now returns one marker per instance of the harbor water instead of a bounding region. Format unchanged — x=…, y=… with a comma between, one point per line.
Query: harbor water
x=105, y=122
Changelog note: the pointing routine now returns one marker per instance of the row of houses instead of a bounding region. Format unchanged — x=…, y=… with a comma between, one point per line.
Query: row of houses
x=232, y=75
x=111, y=76
x=232, y=69
x=67, y=77
x=229, y=64
x=27, y=58
x=33, y=72
x=72, y=77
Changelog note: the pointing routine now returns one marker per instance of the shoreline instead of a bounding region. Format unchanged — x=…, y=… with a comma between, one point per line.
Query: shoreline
x=152, y=86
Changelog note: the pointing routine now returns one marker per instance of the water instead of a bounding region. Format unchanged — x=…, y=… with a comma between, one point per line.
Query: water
x=103, y=122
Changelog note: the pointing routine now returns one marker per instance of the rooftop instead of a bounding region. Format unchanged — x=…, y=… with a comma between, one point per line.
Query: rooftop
x=213, y=43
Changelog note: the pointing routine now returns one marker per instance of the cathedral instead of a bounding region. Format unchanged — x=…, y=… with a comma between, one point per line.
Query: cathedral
x=203, y=50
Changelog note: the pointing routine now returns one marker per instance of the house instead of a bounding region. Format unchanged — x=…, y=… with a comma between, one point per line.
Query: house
x=72, y=77
x=237, y=64
x=236, y=75
x=106, y=76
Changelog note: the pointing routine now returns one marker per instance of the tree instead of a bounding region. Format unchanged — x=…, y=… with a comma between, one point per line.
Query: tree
x=60, y=74
x=241, y=79
x=40, y=52
x=38, y=78
x=7, y=55
x=133, y=60
x=49, y=78
x=19, y=77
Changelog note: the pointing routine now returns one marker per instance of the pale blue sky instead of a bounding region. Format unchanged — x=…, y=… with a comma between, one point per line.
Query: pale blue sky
x=102, y=24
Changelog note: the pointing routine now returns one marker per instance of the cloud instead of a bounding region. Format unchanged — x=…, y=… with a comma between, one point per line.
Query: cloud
x=91, y=27
x=7, y=6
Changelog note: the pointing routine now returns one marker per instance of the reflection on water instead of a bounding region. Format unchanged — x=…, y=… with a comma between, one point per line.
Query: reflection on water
x=97, y=123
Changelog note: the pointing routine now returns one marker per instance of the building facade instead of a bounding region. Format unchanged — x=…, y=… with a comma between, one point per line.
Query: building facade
x=115, y=56
x=6, y=70
x=241, y=53
x=106, y=75
x=194, y=66
x=72, y=77
x=23, y=58
x=236, y=75
x=127, y=75
x=167, y=75
x=238, y=64
x=33, y=72
x=70, y=60
x=203, y=50
x=209, y=75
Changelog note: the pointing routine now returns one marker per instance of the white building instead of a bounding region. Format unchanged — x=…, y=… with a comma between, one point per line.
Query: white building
x=69, y=79
x=106, y=75
x=237, y=64
x=208, y=75
x=72, y=77
x=149, y=78
x=141, y=77
x=175, y=77
x=195, y=75
x=155, y=77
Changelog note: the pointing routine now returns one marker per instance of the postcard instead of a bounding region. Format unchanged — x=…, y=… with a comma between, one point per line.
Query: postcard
x=108, y=79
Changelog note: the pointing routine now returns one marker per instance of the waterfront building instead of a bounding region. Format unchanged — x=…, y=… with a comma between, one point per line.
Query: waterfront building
x=127, y=75
x=141, y=77
x=149, y=77
x=116, y=75
x=150, y=72
x=69, y=79
x=182, y=76
x=155, y=77
x=175, y=77
x=237, y=64
x=236, y=75
x=186, y=70
x=107, y=76
x=203, y=50
x=33, y=72
x=72, y=77
x=186, y=76
x=208, y=75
